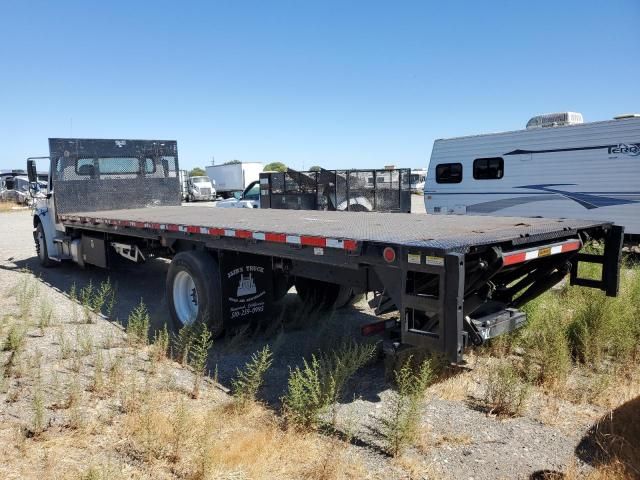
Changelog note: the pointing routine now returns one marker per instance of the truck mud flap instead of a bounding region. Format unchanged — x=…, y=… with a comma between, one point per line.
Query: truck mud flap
x=247, y=287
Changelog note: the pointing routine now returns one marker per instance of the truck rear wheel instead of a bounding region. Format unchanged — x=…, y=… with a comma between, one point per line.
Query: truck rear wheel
x=325, y=295
x=348, y=296
x=281, y=285
x=194, y=293
x=317, y=294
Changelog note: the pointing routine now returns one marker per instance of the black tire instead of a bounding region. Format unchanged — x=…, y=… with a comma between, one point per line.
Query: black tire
x=356, y=207
x=205, y=272
x=281, y=285
x=348, y=296
x=41, y=247
x=318, y=295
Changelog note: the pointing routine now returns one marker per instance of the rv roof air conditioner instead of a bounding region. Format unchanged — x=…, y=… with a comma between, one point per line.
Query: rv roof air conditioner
x=555, y=120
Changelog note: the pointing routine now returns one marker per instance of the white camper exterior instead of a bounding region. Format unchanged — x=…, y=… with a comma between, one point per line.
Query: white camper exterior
x=578, y=171
x=234, y=177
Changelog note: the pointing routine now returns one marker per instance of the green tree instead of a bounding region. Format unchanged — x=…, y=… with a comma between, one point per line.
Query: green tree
x=232, y=162
x=197, y=172
x=275, y=167
x=315, y=168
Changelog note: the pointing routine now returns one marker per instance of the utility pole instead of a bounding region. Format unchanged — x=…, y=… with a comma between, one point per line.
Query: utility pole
x=213, y=160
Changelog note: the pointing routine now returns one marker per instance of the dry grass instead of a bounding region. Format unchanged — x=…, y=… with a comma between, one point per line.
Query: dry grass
x=204, y=441
x=580, y=353
x=10, y=207
x=82, y=402
x=77, y=400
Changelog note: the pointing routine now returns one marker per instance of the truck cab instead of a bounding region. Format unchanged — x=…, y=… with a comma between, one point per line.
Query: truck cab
x=200, y=188
x=249, y=198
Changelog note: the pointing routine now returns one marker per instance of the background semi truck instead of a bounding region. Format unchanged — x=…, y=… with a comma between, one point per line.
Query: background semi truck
x=454, y=281
x=234, y=177
x=196, y=188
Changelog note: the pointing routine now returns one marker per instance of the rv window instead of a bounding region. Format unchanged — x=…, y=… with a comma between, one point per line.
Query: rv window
x=449, y=173
x=488, y=168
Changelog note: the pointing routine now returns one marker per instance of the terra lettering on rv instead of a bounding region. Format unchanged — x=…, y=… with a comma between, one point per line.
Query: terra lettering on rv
x=632, y=149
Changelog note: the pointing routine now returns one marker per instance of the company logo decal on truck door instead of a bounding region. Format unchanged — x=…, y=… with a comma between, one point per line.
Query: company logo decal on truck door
x=248, y=297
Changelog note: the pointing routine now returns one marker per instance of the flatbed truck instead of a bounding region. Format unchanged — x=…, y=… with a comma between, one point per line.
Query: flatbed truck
x=455, y=281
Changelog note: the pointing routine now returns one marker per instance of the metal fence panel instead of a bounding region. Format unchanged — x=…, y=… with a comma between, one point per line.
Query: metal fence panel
x=353, y=190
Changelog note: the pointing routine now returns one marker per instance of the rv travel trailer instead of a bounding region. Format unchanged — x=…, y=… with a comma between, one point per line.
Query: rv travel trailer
x=557, y=167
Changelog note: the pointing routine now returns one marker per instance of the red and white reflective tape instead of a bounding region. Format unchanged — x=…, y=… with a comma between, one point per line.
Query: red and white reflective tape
x=519, y=256
x=273, y=237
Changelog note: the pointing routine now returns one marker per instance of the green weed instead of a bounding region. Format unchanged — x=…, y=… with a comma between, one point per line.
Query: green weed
x=506, y=393
x=399, y=426
x=249, y=380
x=199, y=353
x=138, y=325
x=318, y=384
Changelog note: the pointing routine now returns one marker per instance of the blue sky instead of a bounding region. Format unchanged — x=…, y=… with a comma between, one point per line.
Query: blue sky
x=340, y=84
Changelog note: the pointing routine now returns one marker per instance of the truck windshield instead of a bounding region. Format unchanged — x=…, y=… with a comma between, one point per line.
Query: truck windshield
x=200, y=180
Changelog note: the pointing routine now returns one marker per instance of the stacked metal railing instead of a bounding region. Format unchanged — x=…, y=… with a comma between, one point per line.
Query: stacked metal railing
x=342, y=190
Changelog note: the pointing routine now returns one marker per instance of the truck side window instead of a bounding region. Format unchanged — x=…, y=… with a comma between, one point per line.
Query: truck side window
x=253, y=192
x=84, y=166
x=149, y=166
x=449, y=173
x=488, y=168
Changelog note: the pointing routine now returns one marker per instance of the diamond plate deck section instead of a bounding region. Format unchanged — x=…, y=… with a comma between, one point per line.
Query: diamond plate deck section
x=442, y=232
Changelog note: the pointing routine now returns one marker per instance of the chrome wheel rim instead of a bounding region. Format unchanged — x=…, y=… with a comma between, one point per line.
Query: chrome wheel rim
x=185, y=298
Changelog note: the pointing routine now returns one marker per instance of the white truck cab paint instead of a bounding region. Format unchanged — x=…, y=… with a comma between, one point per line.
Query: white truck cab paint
x=200, y=189
x=250, y=198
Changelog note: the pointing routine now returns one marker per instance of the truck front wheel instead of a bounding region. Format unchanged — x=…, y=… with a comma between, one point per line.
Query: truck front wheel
x=41, y=246
x=194, y=293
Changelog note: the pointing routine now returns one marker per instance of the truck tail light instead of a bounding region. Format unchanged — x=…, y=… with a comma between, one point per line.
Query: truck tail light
x=389, y=255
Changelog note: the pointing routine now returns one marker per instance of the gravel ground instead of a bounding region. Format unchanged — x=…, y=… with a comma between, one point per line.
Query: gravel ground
x=459, y=440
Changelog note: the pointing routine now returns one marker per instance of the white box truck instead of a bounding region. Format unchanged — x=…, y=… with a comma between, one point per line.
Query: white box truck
x=234, y=177
x=557, y=166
